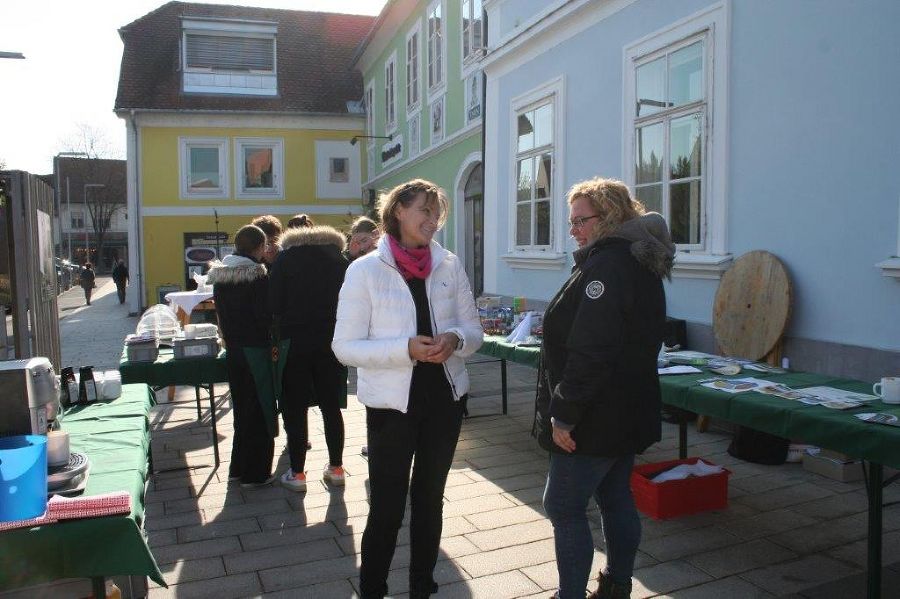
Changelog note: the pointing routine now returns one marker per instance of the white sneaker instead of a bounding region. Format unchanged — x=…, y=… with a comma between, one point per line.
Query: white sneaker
x=334, y=475
x=294, y=482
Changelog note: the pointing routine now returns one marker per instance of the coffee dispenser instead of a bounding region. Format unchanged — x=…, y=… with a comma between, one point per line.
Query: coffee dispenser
x=29, y=396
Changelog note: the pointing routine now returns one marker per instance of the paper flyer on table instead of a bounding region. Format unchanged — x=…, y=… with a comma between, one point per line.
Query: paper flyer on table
x=741, y=385
x=677, y=370
x=832, y=394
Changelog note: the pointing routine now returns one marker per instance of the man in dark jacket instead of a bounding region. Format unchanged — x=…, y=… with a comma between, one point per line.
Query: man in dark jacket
x=120, y=278
x=88, y=281
x=598, y=397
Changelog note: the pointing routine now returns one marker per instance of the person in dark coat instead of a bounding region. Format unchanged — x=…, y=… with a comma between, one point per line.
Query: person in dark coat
x=304, y=285
x=271, y=226
x=240, y=288
x=120, y=278
x=598, y=397
x=88, y=281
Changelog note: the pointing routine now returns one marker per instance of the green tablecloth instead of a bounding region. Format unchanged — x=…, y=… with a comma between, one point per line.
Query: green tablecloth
x=832, y=429
x=167, y=371
x=498, y=348
x=115, y=435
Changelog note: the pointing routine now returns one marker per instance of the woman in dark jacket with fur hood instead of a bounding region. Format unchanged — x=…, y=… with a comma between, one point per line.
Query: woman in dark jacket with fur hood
x=598, y=397
x=240, y=283
x=304, y=285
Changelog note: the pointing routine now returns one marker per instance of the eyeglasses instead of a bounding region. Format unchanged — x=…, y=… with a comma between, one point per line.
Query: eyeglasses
x=578, y=221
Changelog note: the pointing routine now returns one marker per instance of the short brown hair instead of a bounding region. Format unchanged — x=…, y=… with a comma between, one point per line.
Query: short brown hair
x=248, y=239
x=299, y=221
x=611, y=200
x=270, y=225
x=404, y=194
x=363, y=224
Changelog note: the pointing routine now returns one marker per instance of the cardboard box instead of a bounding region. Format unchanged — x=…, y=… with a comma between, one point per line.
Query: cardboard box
x=834, y=465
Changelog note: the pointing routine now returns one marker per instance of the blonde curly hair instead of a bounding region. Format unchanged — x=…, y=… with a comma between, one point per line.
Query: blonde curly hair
x=611, y=200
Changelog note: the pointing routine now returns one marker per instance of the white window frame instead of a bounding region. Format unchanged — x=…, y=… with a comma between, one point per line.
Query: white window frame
x=277, y=146
x=552, y=256
x=415, y=134
x=369, y=100
x=432, y=140
x=709, y=258
x=72, y=224
x=437, y=88
x=414, y=106
x=184, y=163
x=390, y=94
x=475, y=52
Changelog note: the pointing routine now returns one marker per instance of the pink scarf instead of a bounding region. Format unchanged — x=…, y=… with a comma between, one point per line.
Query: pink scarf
x=411, y=262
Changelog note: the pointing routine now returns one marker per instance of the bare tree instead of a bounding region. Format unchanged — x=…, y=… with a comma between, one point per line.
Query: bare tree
x=102, y=179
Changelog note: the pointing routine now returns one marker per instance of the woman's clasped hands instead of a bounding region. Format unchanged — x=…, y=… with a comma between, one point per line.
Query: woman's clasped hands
x=432, y=349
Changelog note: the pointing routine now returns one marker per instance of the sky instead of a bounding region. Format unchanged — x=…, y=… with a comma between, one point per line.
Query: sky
x=67, y=82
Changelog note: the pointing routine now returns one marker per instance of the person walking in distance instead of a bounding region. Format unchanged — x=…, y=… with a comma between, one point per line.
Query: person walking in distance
x=120, y=278
x=88, y=281
x=406, y=320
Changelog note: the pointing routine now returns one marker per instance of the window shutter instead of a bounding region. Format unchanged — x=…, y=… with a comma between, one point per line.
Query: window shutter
x=230, y=53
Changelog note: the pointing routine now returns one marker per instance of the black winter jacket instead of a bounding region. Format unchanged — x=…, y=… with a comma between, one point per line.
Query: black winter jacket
x=304, y=284
x=602, y=335
x=240, y=290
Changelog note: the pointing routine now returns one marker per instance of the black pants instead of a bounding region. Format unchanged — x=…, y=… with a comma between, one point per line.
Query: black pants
x=87, y=294
x=312, y=378
x=252, y=449
x=120, y=289
x=429, y=431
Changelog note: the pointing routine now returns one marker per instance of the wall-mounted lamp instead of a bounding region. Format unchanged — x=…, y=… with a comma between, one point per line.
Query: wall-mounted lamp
x=356, y=138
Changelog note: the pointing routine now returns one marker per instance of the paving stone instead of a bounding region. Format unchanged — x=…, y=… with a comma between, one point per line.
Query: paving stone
x=272, y=557
x=834, y=506
x=797, y=575
x=688, y=542
x=336, y=589
x=529, y=466
x=733, y=587
x=784, y=497
x=160, y=495
x=515, y=534
x=819, y=537
x=292, y=517
x=507, y=558
x=726, y=561
x=476, y=505
x=505, y=517
x=858, y=551
x=213, y=530
x=159, y=538
x=767, y=523
x=198, y=549
x=445, y=573
x=327, y=570
x=224, y=587
x=245, y=510
x=288, y=536
x=854, y=585
x=173, y=521
x=497, y=586
x=195, y=569
x=530, y=496
x=665, y=578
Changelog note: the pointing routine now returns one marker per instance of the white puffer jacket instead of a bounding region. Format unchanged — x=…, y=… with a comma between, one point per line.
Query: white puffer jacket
x=376, y=316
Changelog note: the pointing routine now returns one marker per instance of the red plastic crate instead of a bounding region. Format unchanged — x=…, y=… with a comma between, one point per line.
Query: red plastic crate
x=678, y=497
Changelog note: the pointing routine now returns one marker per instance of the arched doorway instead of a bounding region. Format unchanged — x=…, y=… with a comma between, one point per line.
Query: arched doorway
x=473, y=235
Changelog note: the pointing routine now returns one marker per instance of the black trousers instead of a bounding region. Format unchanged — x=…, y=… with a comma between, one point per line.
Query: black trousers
x=252, y=449
x=429, y=432
x=312, y=378
x=87, y=294
x=120, y=289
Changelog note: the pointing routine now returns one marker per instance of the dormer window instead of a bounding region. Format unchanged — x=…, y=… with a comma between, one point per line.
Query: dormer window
x=229, y=57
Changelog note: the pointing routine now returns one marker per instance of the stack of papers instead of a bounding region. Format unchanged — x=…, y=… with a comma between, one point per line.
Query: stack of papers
x=737, y=385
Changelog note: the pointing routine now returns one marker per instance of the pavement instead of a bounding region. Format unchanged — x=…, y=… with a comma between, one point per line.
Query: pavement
x=785, y=533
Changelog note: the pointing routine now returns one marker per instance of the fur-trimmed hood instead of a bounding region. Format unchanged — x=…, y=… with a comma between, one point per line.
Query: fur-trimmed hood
x=318, y=235
x=651, y=243
x=235, y=270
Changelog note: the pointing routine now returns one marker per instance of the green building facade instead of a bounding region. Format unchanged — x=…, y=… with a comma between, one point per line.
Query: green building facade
x=424, y=108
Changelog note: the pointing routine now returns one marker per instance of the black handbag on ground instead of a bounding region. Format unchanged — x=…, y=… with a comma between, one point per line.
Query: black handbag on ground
x=758, y=447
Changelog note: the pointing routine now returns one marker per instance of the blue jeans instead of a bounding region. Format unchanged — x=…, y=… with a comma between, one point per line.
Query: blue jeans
x=572, y=480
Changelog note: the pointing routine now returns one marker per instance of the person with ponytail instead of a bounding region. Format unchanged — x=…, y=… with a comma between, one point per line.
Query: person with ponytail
x=406, y=319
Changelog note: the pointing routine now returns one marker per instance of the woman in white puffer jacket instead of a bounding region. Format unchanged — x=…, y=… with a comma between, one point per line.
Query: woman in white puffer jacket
x=406, y=319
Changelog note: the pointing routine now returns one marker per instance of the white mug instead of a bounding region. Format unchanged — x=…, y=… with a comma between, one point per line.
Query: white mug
x=888, y=389
x=57, y=448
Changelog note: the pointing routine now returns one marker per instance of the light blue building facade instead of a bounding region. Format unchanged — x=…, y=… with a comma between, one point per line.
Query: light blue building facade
x=751, y=125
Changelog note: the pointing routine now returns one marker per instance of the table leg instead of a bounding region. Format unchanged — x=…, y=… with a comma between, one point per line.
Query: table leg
x=503, y=388
x=682, y=438
x=873, y=578
x=212, y=419
x=197, y=396
x=171, y=393
x=98, y=584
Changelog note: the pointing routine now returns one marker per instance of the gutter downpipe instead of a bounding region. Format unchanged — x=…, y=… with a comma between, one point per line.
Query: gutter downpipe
x=139, y=294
